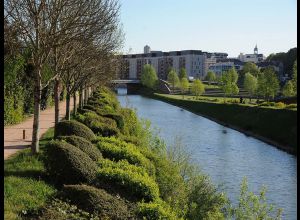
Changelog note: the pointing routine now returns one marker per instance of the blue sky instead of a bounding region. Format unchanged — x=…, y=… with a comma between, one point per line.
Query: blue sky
x=230, y=26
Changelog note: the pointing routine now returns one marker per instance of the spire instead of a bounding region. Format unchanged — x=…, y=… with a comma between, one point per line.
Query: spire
x=255, y=49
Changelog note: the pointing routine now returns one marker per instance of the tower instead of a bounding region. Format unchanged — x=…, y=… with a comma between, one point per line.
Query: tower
x=255, y=49
x=147, y=49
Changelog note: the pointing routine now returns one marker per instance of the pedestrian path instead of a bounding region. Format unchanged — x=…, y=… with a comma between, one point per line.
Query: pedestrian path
x=13, y=135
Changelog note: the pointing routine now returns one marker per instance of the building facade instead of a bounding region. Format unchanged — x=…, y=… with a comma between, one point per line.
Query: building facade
x=195, y=62
x=255, y=57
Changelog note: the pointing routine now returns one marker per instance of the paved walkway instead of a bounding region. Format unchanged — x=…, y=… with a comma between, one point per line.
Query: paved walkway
x=13, y=135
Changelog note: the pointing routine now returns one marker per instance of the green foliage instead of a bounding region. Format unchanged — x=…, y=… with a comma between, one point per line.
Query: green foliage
x=149, y=76
x=130, y=122
x=291, y=106
x=182, y=73
x=156, y=210
x=173, y=78
x=84, y=145
x=97, y=201
x=119, y=150
x=197, y=87
x=67, y=164
x=253, y=206
x=67, y=128
x=210, y=77
x=135, y=185
x=228, y=82
x=268, y=84
x=250, y=83
x=288, y=89
x=294, y=80
x=279, y=105
x=58, y=209
x=184, y=85
x=251, y=68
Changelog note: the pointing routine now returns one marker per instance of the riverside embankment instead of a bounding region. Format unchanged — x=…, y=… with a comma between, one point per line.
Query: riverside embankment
x=277, y=127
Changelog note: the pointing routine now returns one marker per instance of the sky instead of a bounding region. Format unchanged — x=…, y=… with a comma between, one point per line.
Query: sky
x=230, y=26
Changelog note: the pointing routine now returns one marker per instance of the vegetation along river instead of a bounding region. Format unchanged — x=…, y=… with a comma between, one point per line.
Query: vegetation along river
x=224, y=154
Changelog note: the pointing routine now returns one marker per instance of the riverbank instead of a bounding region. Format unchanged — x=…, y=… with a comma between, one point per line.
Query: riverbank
x=277, y=127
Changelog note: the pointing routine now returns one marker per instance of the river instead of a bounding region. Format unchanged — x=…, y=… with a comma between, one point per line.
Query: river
x=226, y=155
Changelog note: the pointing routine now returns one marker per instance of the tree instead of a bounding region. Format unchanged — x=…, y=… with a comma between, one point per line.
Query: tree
x=228, y=82
x=184, y=86
x=197, y=88
x=173, y=78
x=249, y=67
x=149, y=77
x=288, y=89
x=268, y=84
x=294, y=80
x=182, y=73
x=250, y=84
x=211, y=76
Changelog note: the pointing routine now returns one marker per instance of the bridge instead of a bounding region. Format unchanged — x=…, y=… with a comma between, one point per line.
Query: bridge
x=132, y=85
x=126, y=81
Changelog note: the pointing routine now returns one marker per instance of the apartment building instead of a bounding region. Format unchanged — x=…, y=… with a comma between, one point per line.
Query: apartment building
x=195, y=62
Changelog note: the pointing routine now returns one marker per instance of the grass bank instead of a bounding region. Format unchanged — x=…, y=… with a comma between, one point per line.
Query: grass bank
x=274, y=126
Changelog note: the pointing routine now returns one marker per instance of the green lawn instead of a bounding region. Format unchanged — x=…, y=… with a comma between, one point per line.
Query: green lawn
x=25, y=183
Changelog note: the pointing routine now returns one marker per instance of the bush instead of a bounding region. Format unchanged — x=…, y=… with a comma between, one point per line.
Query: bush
x=279, y=105
x=134, y=186
x=66, y=128
x=84, y=145
x=117, y=117
x=97, y=201
x=100, y=125
x=84, y=110
x=67, y=164
x=120, y=151
x=291, y=106
x=61, y=210
x=155, y=210
x=90, y=107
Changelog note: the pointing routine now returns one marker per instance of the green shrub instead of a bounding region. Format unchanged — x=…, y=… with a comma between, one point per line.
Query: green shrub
x=61, y=210
x=97, y=201
x=291, y=106
x=117, y=117
x=84, y=145
x=155, y=210
x=90, y=107
x=67, y=164
x=279, y=105
x=84, y=110
x=120, y=151
x=66, y=128
x=133, y=185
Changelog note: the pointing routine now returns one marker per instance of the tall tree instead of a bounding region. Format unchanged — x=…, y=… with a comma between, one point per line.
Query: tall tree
x=228, y=82
x=210, y=77
x=182, y=73
x=197, y=88
x=268, y=83
x=184, y=86
x=250, y=84
x=149, y=77
x=288, y=89
x=173, y=78
x=294, y=80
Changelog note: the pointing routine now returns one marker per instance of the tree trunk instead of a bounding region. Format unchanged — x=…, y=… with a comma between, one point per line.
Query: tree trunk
x=75, y=106
x=68, y=106
x=80, y=99
x=56, y=100
x=36, y=116
x=85, y=97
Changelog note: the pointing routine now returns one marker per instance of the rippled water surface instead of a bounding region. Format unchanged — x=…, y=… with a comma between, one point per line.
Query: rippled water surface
x=225, y=154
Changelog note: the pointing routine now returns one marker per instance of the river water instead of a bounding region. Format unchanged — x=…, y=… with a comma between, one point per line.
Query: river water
x=226, y=155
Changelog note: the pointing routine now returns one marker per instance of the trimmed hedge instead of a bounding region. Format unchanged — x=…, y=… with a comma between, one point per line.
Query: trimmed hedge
x=67, y=128
x=133, y=185
x=61, y=210
x=100, y=125
x=125, y=151
x=84, y=145
x=155, y=210
x=67, y=164
x=97, y=201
